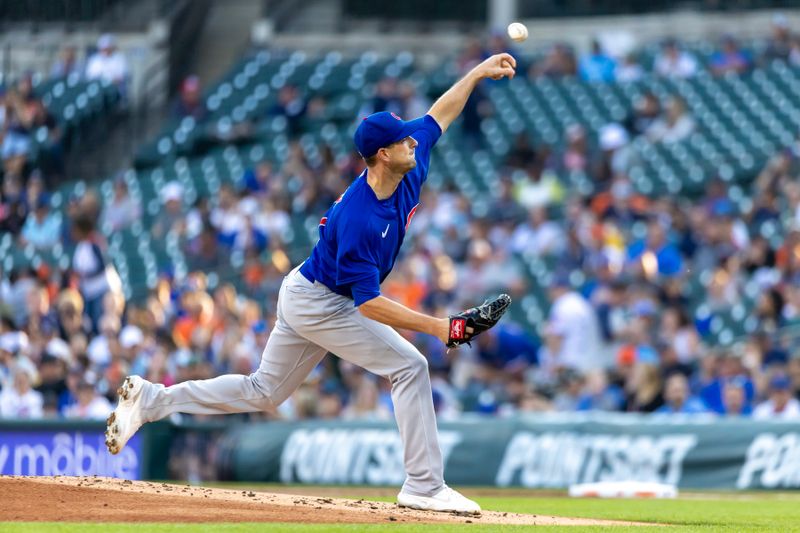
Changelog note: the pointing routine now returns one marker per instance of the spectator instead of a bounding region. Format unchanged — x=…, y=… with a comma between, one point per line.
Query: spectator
x=597, y=66
x=477, y=105
x=108, y=64
x=50, y=160
x=20, y=400
x=42, y=228
x=472, y=54
x=539, y=186
x=669, y=362
x=227, y=218
x=204, y=251
x=727, y=369
x=629, y=70
x=253, y=236
x=577, y=156
x=780, y=405
x=673, y=62
x=131, y=342
x=779, y=45
x=123, y=210
x=504, y=211
x=69, y=307
x=571, y=332
x=263, y=179
x=105, y=347
x=96, y=276
x=614, y=159
x=676, y=125
x=643, y=391
x=507, y=348
x=769, y=310
x=680, y=333
x=53, y=372
x=610, y=301
x=794, y=52
x=599, y=394
x=20, y=108
x=292, y=106
x=538, y=235
x=647, y=111
x=655, y=255
x=734, y=399
x=90, y=405
x=15, y=352
x=34, y=191
x=67, y=64
x=190, y=102
x=558, y=63
x=329, y=404
x=365, y=405
x=13, y=210
x=386, y=98
x=730, y=59
x=414, y=104
x=677, y=399
x=569, y=389
x=498, y=44
x=759, y=261
x=765, y=209
x=171, y=218
x=522, y=152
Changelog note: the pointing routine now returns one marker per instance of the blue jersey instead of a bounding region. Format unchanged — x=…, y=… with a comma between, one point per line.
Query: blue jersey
x=360, y=236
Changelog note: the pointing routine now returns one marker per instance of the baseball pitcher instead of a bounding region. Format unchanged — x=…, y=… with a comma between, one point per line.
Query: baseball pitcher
x=332, y=303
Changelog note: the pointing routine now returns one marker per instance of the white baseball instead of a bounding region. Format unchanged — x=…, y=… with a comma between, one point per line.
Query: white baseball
x=517, y=31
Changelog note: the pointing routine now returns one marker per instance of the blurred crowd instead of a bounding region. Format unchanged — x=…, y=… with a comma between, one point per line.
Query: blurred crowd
x=633, y=289
x=672, y=60
x=32, y=142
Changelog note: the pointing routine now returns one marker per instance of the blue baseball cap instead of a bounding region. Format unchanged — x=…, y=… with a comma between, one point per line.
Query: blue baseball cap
x=382, y=129
x=780, y=382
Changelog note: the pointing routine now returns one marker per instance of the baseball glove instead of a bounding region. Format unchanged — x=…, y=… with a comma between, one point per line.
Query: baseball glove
x=478, y=318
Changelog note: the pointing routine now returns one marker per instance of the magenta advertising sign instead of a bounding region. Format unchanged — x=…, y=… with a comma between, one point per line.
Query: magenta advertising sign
x=51, y=452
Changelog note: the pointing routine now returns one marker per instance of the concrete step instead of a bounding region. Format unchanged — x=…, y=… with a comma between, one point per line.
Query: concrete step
x=223, y=39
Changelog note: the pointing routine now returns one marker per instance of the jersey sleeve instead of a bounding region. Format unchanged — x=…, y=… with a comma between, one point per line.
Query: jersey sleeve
x=357, y=265
x=426, y=138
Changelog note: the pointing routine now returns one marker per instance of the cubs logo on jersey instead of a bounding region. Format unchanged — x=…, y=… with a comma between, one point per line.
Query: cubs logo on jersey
x=324, y=220
x=411, y=215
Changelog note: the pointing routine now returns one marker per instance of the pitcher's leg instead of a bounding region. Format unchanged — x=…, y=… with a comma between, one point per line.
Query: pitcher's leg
x=286, y=361
x=381, y=350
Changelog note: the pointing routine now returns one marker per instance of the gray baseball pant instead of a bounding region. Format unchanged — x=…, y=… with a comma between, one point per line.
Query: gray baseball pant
x=311, y=321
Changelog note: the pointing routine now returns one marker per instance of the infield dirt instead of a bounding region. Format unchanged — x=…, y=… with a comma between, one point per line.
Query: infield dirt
x=97, y=499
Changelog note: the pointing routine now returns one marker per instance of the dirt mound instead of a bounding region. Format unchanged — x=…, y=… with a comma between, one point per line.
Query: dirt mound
x=96, y=499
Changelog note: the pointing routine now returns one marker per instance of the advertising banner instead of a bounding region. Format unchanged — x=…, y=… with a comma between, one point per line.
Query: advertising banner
x=535, y=452
x=45, y=450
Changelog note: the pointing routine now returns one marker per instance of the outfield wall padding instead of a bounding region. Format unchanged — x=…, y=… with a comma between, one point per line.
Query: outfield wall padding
x=542, y=451
x=537, y=451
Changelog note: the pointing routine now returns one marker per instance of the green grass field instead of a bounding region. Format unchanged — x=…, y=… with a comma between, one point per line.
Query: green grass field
x=691, y=512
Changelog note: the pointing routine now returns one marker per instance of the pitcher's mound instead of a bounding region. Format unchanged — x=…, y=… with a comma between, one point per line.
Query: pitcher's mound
x=97, y=499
